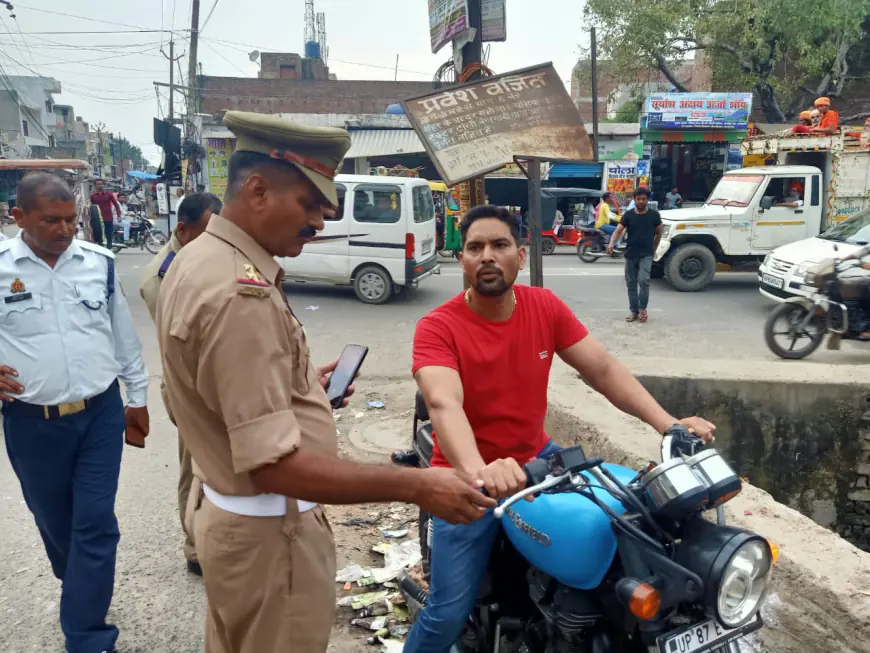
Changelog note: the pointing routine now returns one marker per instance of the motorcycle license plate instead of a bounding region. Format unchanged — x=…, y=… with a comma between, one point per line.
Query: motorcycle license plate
x=705, y=636
x=770, y=280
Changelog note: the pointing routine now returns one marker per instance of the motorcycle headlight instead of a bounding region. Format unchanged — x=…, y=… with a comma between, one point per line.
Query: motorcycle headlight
x=735, y=566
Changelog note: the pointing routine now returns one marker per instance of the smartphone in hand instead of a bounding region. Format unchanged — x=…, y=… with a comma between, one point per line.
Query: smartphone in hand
x=345, y=371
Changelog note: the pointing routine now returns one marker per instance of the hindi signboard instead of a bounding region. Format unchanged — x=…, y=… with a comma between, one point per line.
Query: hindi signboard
x=698, y=110
x=493, y=21
x=447, y=20
x=474, y=128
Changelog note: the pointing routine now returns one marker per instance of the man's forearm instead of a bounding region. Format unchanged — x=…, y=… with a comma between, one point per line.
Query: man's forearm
x=311, y=476
x=626, y=393
x=456, y=439
x=656, y=243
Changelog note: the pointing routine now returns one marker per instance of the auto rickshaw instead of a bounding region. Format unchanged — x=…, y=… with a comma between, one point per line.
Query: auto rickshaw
x=571, y=202
x=447, y=216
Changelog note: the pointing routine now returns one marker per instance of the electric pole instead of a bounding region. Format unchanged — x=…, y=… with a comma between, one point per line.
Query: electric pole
x=594, y=53
x=172, y=59
x=192, y=93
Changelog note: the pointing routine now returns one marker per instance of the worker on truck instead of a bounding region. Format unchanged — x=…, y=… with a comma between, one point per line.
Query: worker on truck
x=830, y=119
x=805, y=123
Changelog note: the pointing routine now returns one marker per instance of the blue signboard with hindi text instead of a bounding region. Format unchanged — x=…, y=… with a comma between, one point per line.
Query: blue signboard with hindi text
x=698, y=110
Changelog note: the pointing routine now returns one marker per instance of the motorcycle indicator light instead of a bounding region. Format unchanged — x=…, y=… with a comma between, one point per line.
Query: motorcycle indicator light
x=645, y=602
x=674, y=490
x=721, y=481
x=774, y=552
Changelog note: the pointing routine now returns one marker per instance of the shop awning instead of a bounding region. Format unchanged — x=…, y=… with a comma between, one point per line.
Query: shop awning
x=692, y=136
x=575, y=170
x=365, y=143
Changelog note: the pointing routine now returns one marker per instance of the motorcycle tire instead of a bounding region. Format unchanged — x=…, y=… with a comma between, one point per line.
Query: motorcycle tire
x=793, y=313
x=584, y=251
x=154, y=241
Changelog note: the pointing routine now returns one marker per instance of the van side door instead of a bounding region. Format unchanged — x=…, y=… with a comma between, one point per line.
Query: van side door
x=326, y=258
x=377, y=231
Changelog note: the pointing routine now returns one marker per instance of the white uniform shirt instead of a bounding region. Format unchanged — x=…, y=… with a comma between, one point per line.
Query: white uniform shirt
x=63, y=334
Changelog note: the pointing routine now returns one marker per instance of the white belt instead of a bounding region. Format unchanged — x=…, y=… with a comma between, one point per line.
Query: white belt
x=260, y=505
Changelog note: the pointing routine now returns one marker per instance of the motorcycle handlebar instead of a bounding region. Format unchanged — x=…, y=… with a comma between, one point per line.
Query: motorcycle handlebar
x=546, y=484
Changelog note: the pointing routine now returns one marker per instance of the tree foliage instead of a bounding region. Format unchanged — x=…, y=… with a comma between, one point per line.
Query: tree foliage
x=787, y=51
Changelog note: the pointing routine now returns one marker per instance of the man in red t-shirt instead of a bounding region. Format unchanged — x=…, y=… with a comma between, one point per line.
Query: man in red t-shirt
x=482, y=362
x=105, y=200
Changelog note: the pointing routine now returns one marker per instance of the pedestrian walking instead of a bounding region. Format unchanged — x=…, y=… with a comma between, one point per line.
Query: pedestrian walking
x=192, y=220
x=66, y=337
x=106, y=201
x=252, y=409
x=644, y=227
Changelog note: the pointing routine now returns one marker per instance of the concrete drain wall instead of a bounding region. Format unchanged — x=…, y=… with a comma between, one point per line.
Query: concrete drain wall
x=807, y=444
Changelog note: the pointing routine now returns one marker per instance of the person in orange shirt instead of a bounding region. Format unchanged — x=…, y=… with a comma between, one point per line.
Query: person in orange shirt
x=805, y=123
x=830, y=118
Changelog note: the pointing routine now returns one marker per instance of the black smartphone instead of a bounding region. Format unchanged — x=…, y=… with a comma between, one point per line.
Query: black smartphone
x=349, y=362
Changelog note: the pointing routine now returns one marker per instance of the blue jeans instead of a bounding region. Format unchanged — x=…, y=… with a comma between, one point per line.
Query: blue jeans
x=68, y=470
x=608, y=229
x=460, y=558
x=637, y=275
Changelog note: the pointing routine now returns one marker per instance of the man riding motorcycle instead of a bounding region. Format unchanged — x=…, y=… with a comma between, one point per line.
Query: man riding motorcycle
x=482, y=362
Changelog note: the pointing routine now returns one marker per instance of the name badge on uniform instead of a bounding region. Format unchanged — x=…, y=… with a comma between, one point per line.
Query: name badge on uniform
x=18, y=298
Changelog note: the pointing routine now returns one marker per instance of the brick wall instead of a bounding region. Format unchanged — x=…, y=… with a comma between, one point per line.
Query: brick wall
x=221, y=94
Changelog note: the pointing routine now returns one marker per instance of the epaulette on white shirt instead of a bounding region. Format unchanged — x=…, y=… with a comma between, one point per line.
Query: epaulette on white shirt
x=99, y=249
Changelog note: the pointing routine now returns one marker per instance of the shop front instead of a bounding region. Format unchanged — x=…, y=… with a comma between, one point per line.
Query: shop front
x=690, y=140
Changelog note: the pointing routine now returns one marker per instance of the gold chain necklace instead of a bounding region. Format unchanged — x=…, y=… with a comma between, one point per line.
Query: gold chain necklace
x=513, y=300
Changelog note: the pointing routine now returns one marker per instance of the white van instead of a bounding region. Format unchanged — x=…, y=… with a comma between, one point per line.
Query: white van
x=381, y=240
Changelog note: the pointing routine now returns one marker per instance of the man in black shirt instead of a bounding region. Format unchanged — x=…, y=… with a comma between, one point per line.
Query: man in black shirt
x=644, y=228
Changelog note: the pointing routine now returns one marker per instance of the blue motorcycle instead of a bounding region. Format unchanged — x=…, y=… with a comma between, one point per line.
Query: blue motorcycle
x=607, y=559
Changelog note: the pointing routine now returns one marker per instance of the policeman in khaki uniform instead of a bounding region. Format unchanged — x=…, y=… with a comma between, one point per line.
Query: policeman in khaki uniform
x=193, y=218
x=252, y=409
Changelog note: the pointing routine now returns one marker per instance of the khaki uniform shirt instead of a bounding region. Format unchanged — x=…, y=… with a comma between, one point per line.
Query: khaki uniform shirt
x=236, y=363
x=149, y=290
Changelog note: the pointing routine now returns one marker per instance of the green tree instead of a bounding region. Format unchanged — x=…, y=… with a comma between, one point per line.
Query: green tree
x=787, y=51
x=132, y=152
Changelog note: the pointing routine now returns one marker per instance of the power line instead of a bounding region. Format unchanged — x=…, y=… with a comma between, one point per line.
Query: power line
x=93, y=20
x=117, y=31
x=207, y=18
x=225, y=59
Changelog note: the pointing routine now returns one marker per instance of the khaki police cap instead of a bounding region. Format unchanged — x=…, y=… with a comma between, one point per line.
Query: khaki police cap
x=317, y=152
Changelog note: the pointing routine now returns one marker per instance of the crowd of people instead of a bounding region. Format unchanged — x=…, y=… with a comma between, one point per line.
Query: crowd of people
x=257, y=436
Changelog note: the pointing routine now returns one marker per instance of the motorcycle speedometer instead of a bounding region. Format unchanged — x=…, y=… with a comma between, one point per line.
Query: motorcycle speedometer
x=721, y=481
x=674, y=490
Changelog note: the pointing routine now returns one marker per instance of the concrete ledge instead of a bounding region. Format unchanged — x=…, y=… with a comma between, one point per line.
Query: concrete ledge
x=821, y=599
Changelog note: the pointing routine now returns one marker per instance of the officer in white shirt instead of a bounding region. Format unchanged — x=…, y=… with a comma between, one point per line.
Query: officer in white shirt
x=66, y=337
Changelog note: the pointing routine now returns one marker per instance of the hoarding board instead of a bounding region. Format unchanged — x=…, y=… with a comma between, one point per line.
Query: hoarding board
x=218, y=151
x=471, y=129
x=447, y=20
x=698, y=110
x=493, y=20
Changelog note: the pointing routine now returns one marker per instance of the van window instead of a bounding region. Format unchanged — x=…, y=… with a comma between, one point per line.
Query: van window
x=341, y=190
x=377, y=203
x=424, y=208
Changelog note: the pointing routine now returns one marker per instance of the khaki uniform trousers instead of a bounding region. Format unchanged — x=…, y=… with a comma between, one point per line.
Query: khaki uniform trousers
x=185, y=479
x=269, y=581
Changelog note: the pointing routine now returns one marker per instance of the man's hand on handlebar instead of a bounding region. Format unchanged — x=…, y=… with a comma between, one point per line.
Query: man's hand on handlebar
x=445, y=494
x=700, y=427
x=500, y=478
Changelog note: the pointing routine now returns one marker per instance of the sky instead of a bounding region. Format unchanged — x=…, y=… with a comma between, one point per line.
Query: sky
x=108, y=77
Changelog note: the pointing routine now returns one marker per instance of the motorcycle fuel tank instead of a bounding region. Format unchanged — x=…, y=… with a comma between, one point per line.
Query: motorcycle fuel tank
x=566, y=535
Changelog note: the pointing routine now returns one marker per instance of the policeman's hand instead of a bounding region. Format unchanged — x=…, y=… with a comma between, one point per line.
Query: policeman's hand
x=325, y=373
x=700, y=427
x=138, y=426
x=8, y=384
x=444, y=494
x=501, y=478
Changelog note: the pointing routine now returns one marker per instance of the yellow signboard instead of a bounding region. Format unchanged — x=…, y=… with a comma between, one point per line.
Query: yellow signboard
x=218, y=151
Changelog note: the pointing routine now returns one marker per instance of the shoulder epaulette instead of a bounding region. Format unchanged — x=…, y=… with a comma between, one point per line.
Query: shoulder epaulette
x=98, y=249
x=164, y=267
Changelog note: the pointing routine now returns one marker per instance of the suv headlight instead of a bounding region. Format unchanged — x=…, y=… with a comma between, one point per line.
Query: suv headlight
x=735, y=566
x=666, y=229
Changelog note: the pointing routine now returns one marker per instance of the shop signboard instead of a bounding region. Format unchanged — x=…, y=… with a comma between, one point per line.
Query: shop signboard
x=514, y=171
x=698, y=110
x=475, y=128
x=618, y=150
x=493, y=20
x=447, y=20
x=218, y=151
x=735, y=158
x=643, y=173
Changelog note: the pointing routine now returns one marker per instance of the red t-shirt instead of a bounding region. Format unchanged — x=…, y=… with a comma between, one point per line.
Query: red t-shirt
x=504, y=366
x=104, y=199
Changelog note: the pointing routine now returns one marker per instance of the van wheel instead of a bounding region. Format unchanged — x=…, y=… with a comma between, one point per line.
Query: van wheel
x=373, y=285
x=548, y=245
x=690, y=267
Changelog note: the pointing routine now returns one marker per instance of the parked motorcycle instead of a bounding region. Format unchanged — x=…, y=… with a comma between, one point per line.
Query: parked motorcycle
x=796, y=328
x=143, y=234
x=611, y=560
x=593, y=245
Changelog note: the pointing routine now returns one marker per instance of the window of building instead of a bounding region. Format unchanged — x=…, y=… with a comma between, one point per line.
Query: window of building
x=377, y=203
x=341, y=190
x=24, y=129
x=48, y=106
x=424, y=207
x=287, y=72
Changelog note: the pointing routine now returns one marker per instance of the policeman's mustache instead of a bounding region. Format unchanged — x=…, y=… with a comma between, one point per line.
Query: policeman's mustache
x=308, y=232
